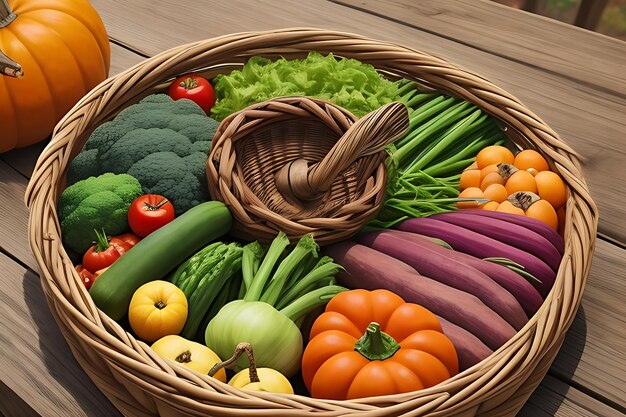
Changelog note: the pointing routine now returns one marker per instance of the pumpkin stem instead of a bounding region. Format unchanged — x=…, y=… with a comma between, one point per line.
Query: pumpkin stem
x=8, y=66
x=6, y=14
x=375, y=344
x=239, y=350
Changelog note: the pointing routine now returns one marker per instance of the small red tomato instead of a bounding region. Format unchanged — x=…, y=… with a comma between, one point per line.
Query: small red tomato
x=104, y=252
x=130, y=238
x=149, y=212
x=195, y=88
x=85, y=276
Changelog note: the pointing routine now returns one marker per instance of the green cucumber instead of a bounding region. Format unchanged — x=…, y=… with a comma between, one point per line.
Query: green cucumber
x=158, y=254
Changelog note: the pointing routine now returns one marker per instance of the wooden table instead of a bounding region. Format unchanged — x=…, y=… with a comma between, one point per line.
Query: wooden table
x=574, y=79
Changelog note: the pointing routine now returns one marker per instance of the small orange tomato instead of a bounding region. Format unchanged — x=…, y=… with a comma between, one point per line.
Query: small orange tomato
x=490, y=179
x=521, y=181
x=529, y=158
x=471, y=192
x=491, y=206
x=496, y=192
x=473, y=166
x=551, y=188
x=470, y=178
x=494, y=155
x=543, y=211
x=508, y=207
x=489, y=169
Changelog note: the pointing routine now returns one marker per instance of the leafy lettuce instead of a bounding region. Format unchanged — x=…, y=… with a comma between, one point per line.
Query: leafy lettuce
x=349, y=83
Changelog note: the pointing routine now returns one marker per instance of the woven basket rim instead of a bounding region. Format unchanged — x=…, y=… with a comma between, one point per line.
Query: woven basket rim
x=113, y=358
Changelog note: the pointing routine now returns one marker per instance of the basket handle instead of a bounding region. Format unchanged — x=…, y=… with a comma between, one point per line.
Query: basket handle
x=297, y=181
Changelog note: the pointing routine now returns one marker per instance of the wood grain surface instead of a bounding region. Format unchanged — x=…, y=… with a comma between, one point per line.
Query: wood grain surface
x=14, y=218
x=594, y=350
x=555, y=398
x=529, y=39
x=591, y=121
x=36, y=364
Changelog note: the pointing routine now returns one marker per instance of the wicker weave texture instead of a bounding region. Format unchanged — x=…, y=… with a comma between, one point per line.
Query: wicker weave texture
x=301, y=165
x=140, y=383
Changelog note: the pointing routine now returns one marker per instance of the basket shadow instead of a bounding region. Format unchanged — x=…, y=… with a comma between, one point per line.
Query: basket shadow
x=72, y=391
x=569, y=356
x=548, y=398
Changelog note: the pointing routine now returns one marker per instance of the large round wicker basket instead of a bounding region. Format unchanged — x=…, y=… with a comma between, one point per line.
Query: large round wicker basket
x=139, y=383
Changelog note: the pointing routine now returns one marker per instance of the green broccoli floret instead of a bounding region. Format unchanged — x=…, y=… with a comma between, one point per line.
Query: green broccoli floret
x=166, y=180
x=155, y=125
x=82, y=167
x=96, y=203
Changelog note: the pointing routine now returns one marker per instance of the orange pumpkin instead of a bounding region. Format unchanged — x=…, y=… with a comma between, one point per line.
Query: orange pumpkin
x=63, y=50
x=349, y=357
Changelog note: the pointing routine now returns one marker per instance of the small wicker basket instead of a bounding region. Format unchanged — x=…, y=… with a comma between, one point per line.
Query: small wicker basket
x=140, y=383
x=299, y=165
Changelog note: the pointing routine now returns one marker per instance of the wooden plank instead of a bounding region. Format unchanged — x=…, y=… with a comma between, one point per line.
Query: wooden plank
x=122, y=59
x=23, y=159
x=36, y=364
x=14, y=218
x=556, y=47
x=555, y=398
x=591, y=121
x=594, y=351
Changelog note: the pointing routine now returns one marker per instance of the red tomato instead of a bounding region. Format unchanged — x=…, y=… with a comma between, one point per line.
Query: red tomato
x=195, y=88
x=86, y=276
x=104, y=252
x=149, y=212
x=130, y=238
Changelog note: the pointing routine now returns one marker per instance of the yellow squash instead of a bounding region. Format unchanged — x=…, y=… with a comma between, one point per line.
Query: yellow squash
x=190, y=354
x=270, y=380
x=63, y=51
x=157, y=309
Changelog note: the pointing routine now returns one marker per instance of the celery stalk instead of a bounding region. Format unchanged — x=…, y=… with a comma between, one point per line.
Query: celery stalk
x=309, y=301
x=279, y=244
x=305, y=246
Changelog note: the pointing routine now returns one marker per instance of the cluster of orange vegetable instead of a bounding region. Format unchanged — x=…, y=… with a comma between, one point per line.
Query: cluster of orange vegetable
x=519, y=184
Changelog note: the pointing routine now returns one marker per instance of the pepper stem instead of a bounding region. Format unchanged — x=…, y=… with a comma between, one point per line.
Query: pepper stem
x=375, y=344
x=239, y=350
